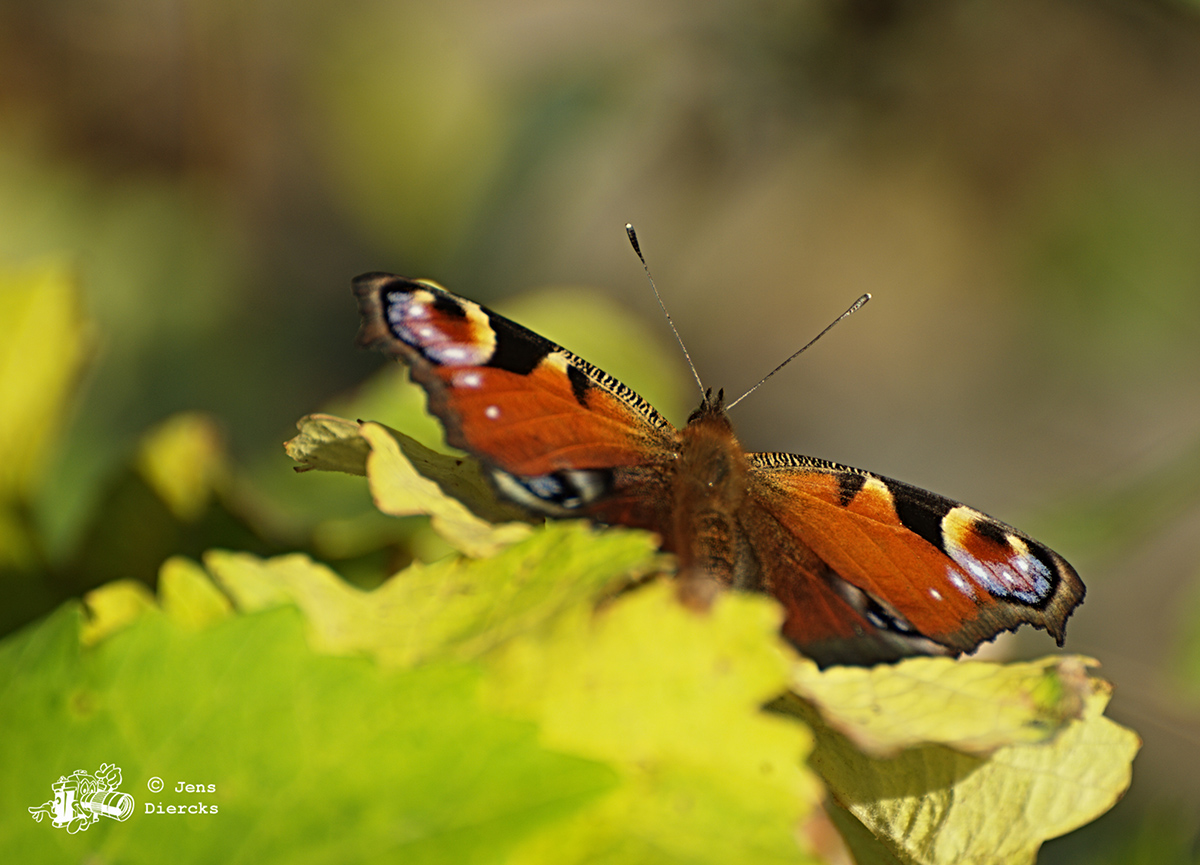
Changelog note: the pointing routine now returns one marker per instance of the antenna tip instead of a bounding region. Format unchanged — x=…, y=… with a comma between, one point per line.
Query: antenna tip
x=632, y=235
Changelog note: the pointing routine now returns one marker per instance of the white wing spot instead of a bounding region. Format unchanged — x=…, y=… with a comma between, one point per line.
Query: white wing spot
x=935, y=594
x=468, y=379
x=492, y=412
x=959, y=583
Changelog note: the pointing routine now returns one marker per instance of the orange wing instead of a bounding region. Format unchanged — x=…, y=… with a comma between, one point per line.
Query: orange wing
x=872, y=569
x=554, y=430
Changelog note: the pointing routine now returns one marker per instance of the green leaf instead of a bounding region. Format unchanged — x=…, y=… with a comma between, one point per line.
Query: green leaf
x=314, y=759
x=671, y=699
x=458, y=607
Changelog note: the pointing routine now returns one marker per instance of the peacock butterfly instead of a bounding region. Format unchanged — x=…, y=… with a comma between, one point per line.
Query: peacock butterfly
x=868, y=569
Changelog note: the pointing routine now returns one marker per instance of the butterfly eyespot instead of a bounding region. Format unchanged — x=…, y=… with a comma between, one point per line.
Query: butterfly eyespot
x=880, y=614
x=998, y=561
x=556, y=494
x=445, y=331
x=884, y=621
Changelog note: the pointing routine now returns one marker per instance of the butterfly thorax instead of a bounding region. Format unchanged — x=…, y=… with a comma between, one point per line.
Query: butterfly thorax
x=709, y=485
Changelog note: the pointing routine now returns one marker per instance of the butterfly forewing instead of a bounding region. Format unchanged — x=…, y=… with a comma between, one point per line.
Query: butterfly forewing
x=503, y=392
x=553, y=427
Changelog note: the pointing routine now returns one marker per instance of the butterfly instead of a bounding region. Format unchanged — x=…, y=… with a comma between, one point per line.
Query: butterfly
x=868, y=569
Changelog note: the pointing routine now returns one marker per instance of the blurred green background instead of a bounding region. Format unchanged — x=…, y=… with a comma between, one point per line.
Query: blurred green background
x=1017, y=183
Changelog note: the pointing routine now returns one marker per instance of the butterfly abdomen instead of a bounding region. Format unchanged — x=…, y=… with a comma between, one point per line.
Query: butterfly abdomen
x=709, y=482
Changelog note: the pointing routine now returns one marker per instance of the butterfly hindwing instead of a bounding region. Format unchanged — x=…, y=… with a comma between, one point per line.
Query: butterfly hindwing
x=897, y=565
x=553, y=429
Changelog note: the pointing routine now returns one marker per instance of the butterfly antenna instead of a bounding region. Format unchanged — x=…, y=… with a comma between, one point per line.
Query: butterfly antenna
x=638, y=249
x=854, y=307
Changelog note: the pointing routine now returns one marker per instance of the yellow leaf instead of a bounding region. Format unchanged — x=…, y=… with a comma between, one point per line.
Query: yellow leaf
x=672, y=699
x=256, y=584
x=112, y=607
x=188, y=595
x=972, y=706
x=330, y=444
x=183, y=460
x=389, y=398
x=932, y=805
x=398, y=489
x=44, y=342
